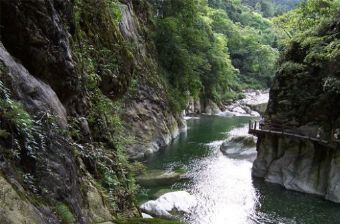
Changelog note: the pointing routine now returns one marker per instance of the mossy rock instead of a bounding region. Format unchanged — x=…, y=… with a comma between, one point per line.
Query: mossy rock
x=65, y=214
x=148, y=221
x=159, y=178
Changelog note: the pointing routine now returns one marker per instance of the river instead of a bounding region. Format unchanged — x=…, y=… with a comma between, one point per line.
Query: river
x=223, y=186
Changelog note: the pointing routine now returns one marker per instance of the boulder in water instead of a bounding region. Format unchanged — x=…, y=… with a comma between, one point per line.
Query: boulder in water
x=240, y=147
x=170, y=203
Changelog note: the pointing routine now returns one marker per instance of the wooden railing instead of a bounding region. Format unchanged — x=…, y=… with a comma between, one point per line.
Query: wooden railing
x=255, y=129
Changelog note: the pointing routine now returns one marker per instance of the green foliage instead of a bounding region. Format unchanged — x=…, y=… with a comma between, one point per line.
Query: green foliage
x=270, y=8
x=305, y=18
x=103, y=60
x=137, y=168
x=65, y=214
x=4, y=134
x=100, y=47
x=251, y=41
x=291, y=68
x=304, y=25
x=331, y=85
x=206, y=48
x=314, y=47
x=18, y=122
x=13, y=111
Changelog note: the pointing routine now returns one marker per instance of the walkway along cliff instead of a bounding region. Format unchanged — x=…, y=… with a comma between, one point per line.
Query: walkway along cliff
x=305, y=98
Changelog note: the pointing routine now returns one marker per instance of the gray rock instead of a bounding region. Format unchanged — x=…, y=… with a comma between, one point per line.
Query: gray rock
x=211, y=108
x=299, y=165
x=152, y=125
x=36, y=95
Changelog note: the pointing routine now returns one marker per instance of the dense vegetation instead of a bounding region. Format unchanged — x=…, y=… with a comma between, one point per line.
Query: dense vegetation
x=270, y=8
x=212, y=49
x=310, y=59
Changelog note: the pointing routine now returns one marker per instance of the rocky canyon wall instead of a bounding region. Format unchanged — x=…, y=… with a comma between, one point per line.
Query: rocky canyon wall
x=304, y=99
x=79, y=94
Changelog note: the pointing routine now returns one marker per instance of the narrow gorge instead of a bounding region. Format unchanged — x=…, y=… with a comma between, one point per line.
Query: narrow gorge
x=137, y=111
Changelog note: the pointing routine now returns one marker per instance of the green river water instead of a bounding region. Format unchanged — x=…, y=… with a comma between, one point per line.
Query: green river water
x=224, y=188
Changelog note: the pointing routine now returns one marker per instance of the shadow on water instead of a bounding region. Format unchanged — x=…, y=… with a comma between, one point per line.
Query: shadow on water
x=223, y=186
x=277, y=203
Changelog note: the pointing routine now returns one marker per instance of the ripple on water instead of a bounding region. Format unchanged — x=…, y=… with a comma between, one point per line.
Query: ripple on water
x=224, y=190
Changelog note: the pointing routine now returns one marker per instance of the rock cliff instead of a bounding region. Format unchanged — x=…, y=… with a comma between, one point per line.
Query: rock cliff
x=79, y=89
x=304, y=98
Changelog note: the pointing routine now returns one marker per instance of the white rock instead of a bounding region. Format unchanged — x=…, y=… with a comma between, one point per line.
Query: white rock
x=180, y=201
x=239, y=110
x=146, y=216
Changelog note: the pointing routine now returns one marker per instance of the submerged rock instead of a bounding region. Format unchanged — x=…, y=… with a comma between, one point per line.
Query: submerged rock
x=169, y=204
x=159, y=178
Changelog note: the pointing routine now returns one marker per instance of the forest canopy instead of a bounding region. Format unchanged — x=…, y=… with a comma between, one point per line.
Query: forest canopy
x=213, y=49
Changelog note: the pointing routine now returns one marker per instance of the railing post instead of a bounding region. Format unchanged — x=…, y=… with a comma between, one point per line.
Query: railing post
x=255, y=125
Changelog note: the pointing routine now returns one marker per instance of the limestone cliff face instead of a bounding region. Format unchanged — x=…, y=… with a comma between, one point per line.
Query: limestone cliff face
x=148, y=116
x=76, y=77
x=304, y=97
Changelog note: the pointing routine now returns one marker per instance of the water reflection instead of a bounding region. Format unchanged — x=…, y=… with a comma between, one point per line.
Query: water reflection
x=223, y=188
